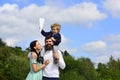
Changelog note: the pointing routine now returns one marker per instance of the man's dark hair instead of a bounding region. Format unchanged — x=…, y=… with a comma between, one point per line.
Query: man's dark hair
x=47, y=37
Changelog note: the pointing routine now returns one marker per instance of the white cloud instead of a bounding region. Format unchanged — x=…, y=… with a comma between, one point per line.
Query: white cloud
x=64, y=39
x=103, y=49
x=102, y=59
x=113, y=43
x=82, y=13
x=8, y=7
x=112, y=38
x=113, y=7
x=105, y=58
x=11, y=41
x=72, y=51
x=95, y=48
x=22, y=24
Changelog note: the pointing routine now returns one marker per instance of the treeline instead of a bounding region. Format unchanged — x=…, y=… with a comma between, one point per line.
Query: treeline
x=14, y=65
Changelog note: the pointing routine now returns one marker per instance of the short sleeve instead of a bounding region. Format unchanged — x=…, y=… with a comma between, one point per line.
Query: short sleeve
x=34, y=58
x=33, y=61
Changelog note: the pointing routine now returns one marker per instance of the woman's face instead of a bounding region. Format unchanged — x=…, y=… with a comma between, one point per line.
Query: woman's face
x=38, y=45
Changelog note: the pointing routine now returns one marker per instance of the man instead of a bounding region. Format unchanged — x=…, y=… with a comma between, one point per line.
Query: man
x=51, y=71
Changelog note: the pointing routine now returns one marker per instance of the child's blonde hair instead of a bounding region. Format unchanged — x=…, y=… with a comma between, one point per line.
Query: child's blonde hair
x=57, y=25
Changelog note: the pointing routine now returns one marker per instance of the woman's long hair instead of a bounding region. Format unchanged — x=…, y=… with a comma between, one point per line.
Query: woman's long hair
x=32, y=49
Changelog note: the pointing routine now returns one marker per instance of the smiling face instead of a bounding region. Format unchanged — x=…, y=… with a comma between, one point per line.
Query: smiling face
x=35, y=46
x=38, y=46
x=49, y=44
x=54, y=30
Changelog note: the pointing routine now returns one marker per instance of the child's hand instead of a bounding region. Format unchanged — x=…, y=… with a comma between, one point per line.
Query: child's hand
x=41, y=23
x=53, y=38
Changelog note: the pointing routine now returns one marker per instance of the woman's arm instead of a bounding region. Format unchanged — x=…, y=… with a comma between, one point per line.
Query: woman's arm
x=34, y=65
x=36, y=69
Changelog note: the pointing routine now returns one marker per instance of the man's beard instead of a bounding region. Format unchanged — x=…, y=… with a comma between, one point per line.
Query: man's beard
x=48, y=47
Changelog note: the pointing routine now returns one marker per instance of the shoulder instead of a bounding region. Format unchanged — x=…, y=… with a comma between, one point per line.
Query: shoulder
x=33, y=55
x=58, y=35
x=59, y=52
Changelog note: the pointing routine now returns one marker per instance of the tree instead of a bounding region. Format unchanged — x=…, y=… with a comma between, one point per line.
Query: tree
x=109, y=71
x=13, y=65
x=104, y=72
x=114, y=67
x=2, y=43
x=86, y=68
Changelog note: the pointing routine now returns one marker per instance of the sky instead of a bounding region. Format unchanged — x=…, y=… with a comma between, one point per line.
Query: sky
x=89, y=28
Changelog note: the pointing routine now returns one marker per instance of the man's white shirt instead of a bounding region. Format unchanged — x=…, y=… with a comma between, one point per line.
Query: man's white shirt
x=52, y=69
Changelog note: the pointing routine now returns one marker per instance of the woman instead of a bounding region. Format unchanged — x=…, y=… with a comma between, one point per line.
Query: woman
x=36, y=65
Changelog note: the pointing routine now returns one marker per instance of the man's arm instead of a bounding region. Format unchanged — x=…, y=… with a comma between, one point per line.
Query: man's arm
x=61, y=62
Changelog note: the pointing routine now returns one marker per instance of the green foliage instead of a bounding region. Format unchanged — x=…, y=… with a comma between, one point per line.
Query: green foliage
x=2, y=43
x=71, y=75
x=71, y=70
x=86, y=68
x=80, y=69
x=14, y=65
x=109, y=71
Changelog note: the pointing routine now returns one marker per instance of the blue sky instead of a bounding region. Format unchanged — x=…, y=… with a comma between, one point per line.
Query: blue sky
x=90, y=28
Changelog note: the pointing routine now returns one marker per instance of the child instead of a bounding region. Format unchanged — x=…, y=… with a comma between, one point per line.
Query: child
x=54, y=34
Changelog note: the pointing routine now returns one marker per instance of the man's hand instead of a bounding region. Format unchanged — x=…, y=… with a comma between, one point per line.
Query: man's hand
x=56, y=55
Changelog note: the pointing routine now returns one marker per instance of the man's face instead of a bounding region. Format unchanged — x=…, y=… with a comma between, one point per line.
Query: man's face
x=49, y=44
